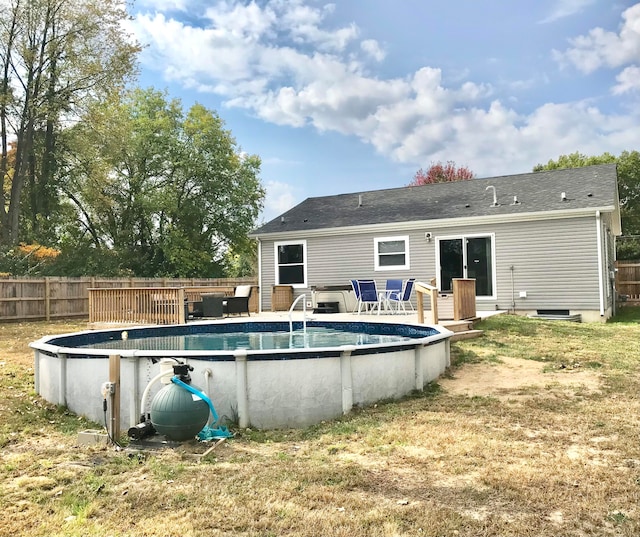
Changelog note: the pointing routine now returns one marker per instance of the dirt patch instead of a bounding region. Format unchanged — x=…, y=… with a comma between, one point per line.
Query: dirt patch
x=513, y=376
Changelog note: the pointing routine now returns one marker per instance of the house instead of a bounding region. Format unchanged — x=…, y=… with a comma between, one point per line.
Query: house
x=536, y=243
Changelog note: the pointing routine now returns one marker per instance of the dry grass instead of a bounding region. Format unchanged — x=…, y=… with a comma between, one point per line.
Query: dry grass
x=556, y=451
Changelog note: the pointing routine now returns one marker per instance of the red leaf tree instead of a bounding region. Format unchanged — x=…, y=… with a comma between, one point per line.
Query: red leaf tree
x=441, y=173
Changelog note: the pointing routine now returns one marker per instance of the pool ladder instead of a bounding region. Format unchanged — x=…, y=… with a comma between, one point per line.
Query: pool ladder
x=304, y=317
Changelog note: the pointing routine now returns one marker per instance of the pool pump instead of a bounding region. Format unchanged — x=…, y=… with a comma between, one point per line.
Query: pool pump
x=176, y=412
x=143, y=429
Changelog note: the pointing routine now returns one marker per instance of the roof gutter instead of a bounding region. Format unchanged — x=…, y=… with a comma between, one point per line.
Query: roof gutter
x=435, y=223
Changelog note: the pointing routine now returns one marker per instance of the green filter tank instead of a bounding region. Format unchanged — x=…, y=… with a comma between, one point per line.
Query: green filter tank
x=177, y=413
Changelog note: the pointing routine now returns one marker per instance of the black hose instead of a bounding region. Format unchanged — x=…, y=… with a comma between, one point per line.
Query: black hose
x=104, y=410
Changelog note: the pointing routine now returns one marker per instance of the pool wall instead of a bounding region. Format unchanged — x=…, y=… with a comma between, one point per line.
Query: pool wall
x=260, y=389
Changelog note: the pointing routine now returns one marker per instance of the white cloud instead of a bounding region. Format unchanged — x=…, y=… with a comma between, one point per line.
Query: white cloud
x=238, y=23
x=566, y=8
x=373, y=49
x=164, y=5
x=600, y=48
x=280, y=61
x=628, y=80
x=303, y=23
x=279, y=198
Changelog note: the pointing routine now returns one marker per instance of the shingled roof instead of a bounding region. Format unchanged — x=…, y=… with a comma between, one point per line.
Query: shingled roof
x=590, y=187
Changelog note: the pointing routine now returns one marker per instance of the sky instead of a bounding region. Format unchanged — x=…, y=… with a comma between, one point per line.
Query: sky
x=358, y=95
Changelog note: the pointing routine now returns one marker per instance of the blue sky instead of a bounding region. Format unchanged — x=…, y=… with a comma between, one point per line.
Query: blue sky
x=359, y=94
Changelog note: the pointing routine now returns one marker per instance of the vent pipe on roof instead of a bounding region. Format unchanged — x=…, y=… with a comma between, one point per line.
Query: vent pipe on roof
x=359, y=200
x=563, y=196
x=495, y=196
x=515, y=201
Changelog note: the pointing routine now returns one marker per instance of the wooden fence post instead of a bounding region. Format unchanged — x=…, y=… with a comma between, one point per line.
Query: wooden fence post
x=47, y=299
x=424, y=288
x=420, y=308
x=114, y=378
x=181, y=305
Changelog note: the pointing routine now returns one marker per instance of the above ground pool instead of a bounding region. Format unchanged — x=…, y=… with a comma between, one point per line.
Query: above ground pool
x=258, y=374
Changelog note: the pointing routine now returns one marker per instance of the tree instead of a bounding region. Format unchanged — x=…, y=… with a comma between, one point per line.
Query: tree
x=628, y=163
x=56, y=57
x=441, y=173
x=158, y=192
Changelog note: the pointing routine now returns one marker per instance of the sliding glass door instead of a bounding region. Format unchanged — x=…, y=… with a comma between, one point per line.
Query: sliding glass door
x=467, y=257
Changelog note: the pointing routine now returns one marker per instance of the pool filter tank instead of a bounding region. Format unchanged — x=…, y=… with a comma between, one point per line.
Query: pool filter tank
x=177, y=413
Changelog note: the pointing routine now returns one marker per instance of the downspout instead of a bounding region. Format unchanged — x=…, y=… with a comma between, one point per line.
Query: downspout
x=259, y=275
x=513, y=290
x=600, y=274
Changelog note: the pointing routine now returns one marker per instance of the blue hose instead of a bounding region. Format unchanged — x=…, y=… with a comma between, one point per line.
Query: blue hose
x=207, y=433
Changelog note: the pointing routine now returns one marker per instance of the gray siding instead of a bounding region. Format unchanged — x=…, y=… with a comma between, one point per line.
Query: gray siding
x=554, y=261
x=268, y=274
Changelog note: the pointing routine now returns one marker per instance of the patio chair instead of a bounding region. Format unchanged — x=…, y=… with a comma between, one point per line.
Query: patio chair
x=356, y=292
x=369, y=297
x=402, y=298
x=392, y=287
x=239, y=302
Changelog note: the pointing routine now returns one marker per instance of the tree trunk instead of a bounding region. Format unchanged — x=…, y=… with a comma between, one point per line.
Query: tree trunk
x=4, y=101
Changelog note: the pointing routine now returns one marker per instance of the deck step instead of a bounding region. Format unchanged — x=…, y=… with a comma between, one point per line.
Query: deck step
x=467, y=334
x=459, y=326
x=462, y=329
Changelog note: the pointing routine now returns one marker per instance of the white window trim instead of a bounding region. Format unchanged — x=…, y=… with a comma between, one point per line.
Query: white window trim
x=276, y=245
x=376, y=253
x=494, y=279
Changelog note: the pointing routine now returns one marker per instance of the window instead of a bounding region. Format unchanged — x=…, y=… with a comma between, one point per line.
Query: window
x=391, y=253
x=291, y=263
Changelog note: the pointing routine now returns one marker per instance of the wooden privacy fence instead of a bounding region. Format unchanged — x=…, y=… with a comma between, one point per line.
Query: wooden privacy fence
x=628, y=282
x=30, y=299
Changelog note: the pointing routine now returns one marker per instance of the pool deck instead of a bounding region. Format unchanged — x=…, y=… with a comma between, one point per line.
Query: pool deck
x=462, y=329
x=297, y=315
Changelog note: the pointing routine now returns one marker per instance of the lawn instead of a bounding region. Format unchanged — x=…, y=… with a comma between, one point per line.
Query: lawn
x=533, y=431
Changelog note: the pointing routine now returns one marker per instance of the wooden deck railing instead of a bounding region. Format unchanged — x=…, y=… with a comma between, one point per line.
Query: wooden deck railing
x=140, y=305
x=464, y=299
x=431, y=290
x=151, y=305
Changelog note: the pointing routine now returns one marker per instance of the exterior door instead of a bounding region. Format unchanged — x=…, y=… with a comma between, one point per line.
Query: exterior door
x=451, y=263
x=466, y=258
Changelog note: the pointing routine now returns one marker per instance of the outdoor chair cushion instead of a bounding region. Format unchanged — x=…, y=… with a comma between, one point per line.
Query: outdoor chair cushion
x=243, y=290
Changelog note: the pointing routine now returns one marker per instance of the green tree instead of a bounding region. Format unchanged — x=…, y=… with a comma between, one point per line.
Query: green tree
x=56, y=58
x=159, y=192
x=628, y=164
x=575, y=160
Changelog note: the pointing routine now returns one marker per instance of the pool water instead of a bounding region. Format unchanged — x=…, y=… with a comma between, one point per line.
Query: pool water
x=315, y=337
